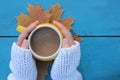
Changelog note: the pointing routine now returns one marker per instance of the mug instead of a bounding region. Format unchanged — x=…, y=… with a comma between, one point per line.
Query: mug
x=45, y=41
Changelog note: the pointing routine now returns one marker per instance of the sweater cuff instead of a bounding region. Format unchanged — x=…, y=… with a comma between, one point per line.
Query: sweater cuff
x=70, y=55
x=66, y=63
x=18, y=51
x=22, y=64
x=77, y=44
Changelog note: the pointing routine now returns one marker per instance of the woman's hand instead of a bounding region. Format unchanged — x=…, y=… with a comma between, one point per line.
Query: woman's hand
x=68, y=39
x=22, y=41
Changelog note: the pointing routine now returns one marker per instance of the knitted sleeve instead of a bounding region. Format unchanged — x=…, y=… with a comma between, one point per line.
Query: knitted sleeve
x=66, y=63
x=22, y=64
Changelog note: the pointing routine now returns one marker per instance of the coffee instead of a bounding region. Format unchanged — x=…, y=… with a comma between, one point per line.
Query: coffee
x=45, y=41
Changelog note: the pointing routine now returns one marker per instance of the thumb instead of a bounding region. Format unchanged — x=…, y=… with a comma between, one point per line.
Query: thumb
x=65, y=43
x=25, y=44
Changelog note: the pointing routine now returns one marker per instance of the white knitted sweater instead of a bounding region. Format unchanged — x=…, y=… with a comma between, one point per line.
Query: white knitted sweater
x=23, y=66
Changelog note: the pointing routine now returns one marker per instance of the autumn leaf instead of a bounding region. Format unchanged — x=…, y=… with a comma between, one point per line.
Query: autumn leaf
x=67, y=22
x=23, y=20
x=35, y=10
x=35, y=13
x=56, y=12
x=38, y=13
x=75, y=37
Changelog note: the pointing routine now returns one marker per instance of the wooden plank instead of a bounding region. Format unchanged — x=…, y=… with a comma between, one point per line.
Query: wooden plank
x=92, y=17
x=100, y=58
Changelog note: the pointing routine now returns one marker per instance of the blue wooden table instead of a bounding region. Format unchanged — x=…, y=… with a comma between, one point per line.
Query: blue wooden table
x=97, y=21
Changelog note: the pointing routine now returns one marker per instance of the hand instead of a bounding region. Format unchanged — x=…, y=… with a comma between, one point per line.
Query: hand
x=68, y=39
x=22, y=41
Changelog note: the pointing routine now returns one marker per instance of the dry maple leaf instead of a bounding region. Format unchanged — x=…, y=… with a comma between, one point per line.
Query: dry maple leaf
x=38, y=13
x=35, y=13
x=23, y=20
x=67, y=22
x=56, y=12
x=75, y=37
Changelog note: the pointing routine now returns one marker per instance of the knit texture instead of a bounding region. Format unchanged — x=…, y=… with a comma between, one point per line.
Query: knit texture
x=66, y=63
x=22, y=64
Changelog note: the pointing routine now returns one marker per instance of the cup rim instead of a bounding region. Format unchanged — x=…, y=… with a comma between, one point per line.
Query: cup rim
x=51, y=57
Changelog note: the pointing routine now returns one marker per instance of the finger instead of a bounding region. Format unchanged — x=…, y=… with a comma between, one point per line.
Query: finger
x=26, y=32
x=65, y=43
x=25, y=44
x=62, y=28
x=31, y=27
x=59, y=25
x=65, y=32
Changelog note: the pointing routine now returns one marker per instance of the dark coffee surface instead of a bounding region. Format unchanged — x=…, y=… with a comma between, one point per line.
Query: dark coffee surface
x=45, y=41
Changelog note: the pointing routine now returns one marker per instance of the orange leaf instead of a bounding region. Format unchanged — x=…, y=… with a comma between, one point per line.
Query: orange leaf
x=34, y=10
x=38, y=13
x=23, y=20
x=56, y=12
x=75, y=37
x=35, y=13
x=67, y=22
